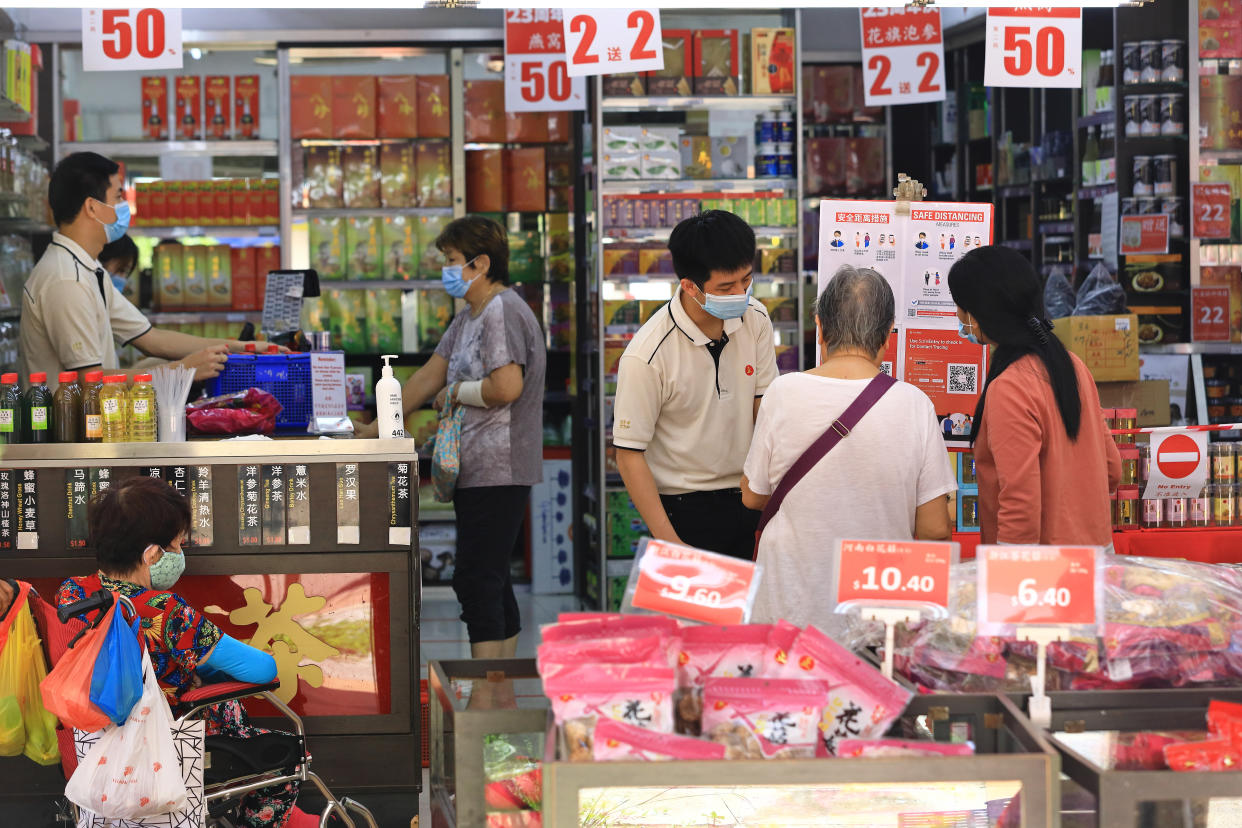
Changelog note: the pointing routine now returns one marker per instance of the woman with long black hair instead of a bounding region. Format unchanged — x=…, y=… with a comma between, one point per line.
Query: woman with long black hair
x=1044, y=458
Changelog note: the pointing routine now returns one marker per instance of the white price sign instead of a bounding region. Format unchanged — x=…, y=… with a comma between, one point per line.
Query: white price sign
x=131, y=39
x=1179, y=464
x=536, y=75
x=1038, y=46
x=612, y=41
x=903, y=55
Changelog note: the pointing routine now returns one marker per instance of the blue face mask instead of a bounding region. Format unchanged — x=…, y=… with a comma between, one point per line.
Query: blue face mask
x=117, y=228
x=118, y=281
x=167, y=570
x=456, y=286
x=727, y=307
x=964, y=334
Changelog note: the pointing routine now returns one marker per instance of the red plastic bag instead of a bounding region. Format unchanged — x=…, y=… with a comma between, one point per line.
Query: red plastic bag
x=67, y=689
x=252, y=411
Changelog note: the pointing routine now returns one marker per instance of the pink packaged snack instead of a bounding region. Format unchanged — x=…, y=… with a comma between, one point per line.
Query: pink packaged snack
x=732, y=651
x=642, y=650
x=764, y=718
x=620, y=742
x=885, y=748
x=608, y=626
x=780, y=638
x=862, y=703
x=569, y=617
x=584, y=693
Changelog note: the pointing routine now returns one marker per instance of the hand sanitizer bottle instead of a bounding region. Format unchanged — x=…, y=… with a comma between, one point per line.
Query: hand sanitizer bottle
x=388, y=410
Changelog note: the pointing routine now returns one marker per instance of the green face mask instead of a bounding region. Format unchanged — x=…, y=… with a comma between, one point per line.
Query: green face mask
x=166, y=571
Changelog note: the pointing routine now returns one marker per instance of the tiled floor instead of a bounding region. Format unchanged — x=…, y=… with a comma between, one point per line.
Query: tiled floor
x=443, y=636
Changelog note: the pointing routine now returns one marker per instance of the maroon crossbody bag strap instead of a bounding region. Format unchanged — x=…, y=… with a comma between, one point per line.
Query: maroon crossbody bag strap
x=840, y=428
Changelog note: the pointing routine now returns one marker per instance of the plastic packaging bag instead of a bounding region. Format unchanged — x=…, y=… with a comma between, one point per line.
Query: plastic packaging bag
x=1059, y=299
x=252, y=411
x=446, y=454
x=133, y=771
x=581, y=694
x=67, y=689
x=1100, y=294
x=26, y=727
x=620, y=742
x=512, y=771
x=116, y=684
x=764, y=718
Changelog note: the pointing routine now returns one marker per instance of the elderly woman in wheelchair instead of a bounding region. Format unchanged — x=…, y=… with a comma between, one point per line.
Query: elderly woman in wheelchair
x=137, y=529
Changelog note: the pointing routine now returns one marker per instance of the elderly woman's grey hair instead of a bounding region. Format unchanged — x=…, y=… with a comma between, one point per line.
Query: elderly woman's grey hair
x=856, y=310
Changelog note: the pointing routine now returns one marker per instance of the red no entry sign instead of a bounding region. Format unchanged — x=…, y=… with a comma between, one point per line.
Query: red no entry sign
x=1177, y=457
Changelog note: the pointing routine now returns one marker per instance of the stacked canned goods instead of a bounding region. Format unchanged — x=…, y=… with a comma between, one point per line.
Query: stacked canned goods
x=774, y=145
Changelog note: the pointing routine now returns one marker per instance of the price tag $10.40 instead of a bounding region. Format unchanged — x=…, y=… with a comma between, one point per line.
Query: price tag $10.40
x=1037, y=585
x=893, y=573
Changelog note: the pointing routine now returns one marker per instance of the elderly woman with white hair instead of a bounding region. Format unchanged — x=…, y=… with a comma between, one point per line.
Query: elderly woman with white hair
x=884, y=476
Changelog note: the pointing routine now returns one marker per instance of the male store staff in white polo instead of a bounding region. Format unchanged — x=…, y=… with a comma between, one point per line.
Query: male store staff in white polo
x=73, y=317
x=688, y=389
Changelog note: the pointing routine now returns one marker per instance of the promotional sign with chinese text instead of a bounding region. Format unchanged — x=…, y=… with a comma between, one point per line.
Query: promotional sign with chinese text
x=1210, y=217
x=1035, y=46
x=612, y=41
x=536, y=73
x=1209, y=312
x=1023, y=586
x=692, y=583
x=903, y=55
x=131, y=39
x=894, y=573
x=1144, y=234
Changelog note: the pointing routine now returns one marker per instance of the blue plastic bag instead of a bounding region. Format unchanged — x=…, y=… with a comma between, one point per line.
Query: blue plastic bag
x=116, y=683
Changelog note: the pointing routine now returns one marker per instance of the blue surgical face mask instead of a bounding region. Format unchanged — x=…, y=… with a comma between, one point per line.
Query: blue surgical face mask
x=117, y=228
x=167, y=570
x=727, y=307
x=966, y=335
x=456, y=286
x=118, y=281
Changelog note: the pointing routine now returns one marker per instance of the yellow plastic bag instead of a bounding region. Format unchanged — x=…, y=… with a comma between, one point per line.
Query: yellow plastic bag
x=26, y=727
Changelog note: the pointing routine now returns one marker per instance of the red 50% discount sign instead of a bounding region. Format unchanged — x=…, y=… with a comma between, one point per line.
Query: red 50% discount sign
x=893, y=573
x=691, y=583
x=1036, y=585
x=536, y=74
x=611, y=41
x=1038, y=46
x=903, y=55
x=1210, y=205
x=134, y=39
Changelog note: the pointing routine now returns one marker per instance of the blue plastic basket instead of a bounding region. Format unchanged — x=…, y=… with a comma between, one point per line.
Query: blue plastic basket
x=287, y=377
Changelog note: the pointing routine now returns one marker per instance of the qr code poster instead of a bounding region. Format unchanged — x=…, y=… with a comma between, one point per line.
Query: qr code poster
x=949, y=370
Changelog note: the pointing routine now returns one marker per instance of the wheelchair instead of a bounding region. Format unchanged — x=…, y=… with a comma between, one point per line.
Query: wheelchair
x=232, y=767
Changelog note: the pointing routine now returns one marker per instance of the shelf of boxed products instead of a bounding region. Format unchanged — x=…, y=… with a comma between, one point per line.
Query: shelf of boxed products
x=174, y=318
x=1219, y=348
x=380, y=284
x=697, y=185
x=369, y=212
x=661, y=234
x=758, y=278
x=145, y=149
x=708, y=102
x=226, y=231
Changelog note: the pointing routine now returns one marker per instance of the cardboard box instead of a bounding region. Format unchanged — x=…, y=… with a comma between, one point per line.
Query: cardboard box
x=353, y=106
x=219, y=276
x=383, y=321
x=400, y=245
x=219, y=108
x=826, y=161
x=271, y=201
x=246, y=107
x=266, y=260
x=433, y=106
x=174, y=212
x=526, y=186
x=325, y=178
x=628, y=85
x=189, y=110
x=1107, y=344
x=485, y=181
x=362, y=247
x=190, y=214
x=398, y=100
x=169, y=276
x=865, y=166
x=245, y=289
x=310, y=114
x=431, y=165
x=360, y=170
x=1149, y=397
x=716, y=70
x=222, y=197
x=559, y=126
x=397, y=175
x=677, y=76
x=696, y=156
x=239, y=201
x=772, y=61
x=485, y=111
x=732, y=156
x=430, y=258
x=156, y=209
x=194, y=283
x=527, y=127
x=327, y=248
x=155, y=108
x=255, y=206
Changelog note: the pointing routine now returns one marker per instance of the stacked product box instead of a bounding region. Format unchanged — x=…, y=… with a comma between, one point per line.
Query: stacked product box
x=625, y=526
x=967, y=492
x=211, y=277
x=711, y=62
x=359, y=107
x=657, y=210
x=221, y=202
x=394, y=174
x=216, y=108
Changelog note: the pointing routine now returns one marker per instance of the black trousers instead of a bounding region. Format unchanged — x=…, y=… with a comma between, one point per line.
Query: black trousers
x=489, y=519
x=716, y=521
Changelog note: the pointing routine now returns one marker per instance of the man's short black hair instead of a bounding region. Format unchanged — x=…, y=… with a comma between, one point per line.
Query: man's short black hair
x=472, y=236
x=715, y=240
x=76, y=178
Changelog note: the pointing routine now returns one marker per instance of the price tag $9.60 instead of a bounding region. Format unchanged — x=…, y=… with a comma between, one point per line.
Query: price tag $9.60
x=692, y=583
x=894, y=573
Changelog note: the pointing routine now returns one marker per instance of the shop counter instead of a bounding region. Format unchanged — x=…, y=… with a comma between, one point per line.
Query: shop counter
x=1201, y=545
x=306, y=548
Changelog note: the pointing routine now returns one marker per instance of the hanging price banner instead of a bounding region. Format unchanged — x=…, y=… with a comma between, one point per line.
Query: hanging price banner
x=1023, y=586
x=131, y=39
x=903, y=55
x=536, y=72
x=1210, y=210
x=1209, y=314
x=893, y=573
x=612, y=41
x=1035, y=46
x=1144, y=234
x=692, y=583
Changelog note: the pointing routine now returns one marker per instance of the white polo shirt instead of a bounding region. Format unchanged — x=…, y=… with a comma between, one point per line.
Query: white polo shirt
x=73, y=316
x=692, y=413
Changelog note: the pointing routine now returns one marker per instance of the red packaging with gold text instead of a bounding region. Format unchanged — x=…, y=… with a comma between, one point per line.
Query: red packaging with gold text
x=155, y=108
x=485, y=111
x=245, y=289
x=398, y=102
x=353, y=106
x=246, y=107
x=266, y=259
x=189, y=111
x=219, y=118
x=525, y=180
x=485, y=181
x=255, y=208
x=174, y=210
x=222, y=195
x=311, y=106
x=433, y=106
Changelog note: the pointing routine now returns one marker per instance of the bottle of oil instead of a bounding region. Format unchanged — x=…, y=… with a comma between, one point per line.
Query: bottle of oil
x=10, y=409
x=143, y=425
x=114, y=403
x=38, y=409
x=67, y=409
x=92, y=413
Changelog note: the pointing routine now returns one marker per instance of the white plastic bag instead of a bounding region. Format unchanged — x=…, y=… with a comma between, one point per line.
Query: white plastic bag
x=133, y=771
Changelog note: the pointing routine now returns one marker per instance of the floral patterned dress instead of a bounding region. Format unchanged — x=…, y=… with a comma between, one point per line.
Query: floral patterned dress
x=179, y=638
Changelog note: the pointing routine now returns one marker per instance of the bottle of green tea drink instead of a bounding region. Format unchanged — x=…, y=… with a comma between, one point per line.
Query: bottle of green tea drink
x=114, y=402
x=92, y=413
x=67, y=408
x=38, y=409
x=10, y=409
x=142, y=422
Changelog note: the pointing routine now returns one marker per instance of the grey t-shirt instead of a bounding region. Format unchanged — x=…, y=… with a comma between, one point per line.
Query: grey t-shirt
x=499, y=446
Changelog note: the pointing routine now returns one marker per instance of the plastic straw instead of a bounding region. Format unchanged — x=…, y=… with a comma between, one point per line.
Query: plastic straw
x=172, y=389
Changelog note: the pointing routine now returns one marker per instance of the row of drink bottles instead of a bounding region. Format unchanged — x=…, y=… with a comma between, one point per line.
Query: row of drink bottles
x=98, y=410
